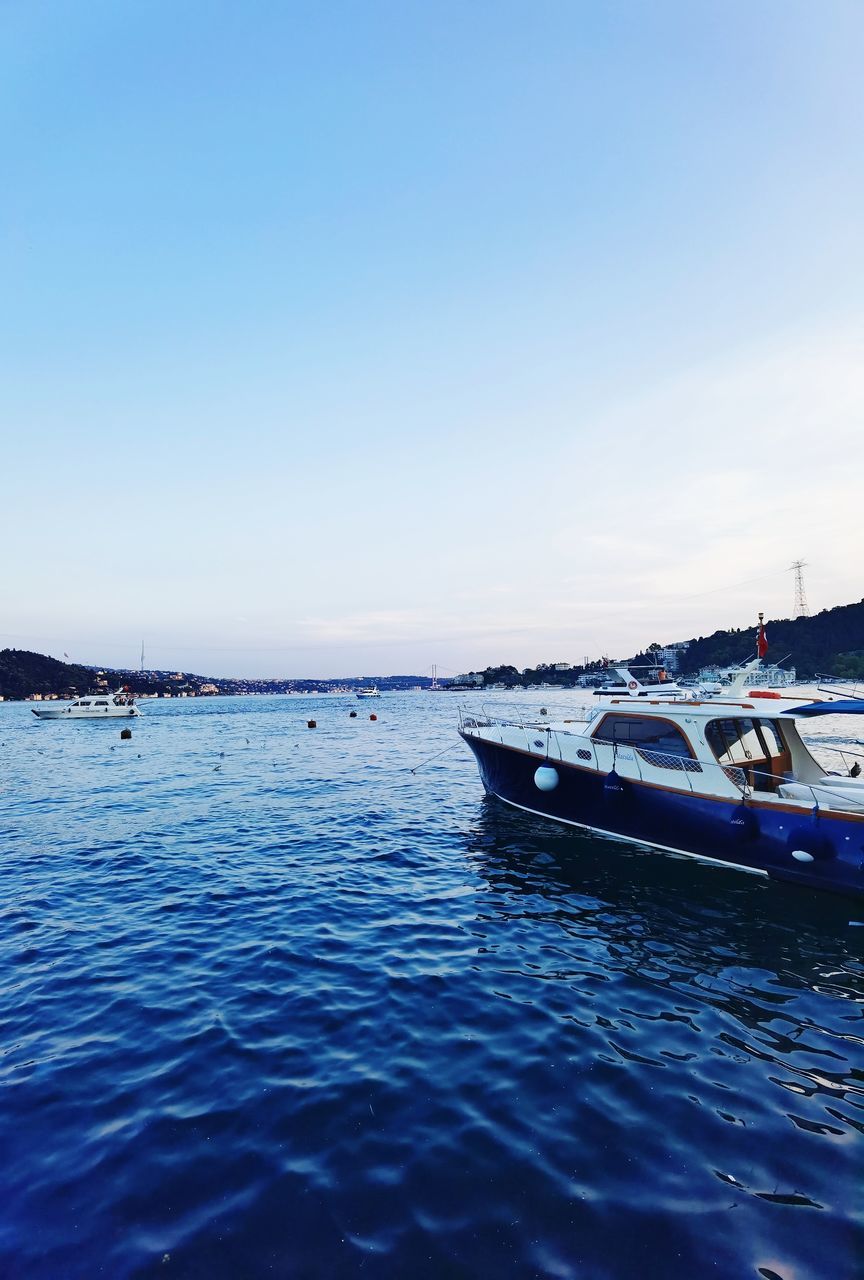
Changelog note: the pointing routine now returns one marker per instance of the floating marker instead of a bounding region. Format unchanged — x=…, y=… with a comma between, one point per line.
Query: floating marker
x=373, y=717
x=352, y=715
x=125, y=734
x=311, y=724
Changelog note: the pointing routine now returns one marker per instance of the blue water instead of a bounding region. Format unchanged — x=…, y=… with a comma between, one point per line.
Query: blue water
x=274, y=1006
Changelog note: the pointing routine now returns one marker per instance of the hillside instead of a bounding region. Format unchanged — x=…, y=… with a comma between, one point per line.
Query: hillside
x=831, y=642
x=23, y=673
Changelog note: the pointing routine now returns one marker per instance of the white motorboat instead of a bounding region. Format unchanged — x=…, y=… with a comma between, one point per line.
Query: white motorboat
x=371, y=692
x=95, y=706
x=771, y=676
x=629, y=685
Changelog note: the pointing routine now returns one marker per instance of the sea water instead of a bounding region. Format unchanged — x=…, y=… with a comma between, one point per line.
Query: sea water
x=274, y=1005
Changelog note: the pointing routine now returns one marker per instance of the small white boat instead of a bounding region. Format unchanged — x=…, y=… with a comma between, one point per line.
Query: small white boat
x=95, y=706
x=630, y=686
x=371, y=692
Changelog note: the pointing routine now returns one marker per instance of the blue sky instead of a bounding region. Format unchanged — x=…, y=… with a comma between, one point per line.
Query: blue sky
x=355, y=337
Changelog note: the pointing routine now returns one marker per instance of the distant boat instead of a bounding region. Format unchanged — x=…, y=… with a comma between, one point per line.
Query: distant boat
x=96, y=706
x=630, y=686
x=770, y=676
x=371, y=692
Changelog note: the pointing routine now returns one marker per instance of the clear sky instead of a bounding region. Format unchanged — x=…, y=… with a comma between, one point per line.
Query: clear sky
x=351, y=337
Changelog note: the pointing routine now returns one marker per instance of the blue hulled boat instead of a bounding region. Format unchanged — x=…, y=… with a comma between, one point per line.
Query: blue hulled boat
x=727, y=780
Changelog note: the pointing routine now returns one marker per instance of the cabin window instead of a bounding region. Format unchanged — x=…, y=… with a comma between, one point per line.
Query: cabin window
x=753, y=750
x=648, y=732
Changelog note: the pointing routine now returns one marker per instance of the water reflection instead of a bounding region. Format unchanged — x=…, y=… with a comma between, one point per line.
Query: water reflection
x=781, y=968
x=736, y=997
x=700, y=904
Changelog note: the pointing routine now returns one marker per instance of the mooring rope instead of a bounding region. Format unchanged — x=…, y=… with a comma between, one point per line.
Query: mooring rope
x=423, y=763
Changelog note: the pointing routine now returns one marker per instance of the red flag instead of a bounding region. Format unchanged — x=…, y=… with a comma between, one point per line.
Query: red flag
x=761, y=640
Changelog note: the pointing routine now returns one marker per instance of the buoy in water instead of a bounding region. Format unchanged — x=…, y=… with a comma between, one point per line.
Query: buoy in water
x=352, y=715
x=543, y=711
x=373, y=717
x=546, y=778
x=125, y=734
x=311, y=724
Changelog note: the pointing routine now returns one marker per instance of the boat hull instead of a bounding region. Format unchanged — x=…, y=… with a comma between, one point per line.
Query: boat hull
x=825, y=851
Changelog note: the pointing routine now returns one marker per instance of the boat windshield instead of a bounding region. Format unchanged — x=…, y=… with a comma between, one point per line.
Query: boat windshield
x=753, y=745
x=739, y=739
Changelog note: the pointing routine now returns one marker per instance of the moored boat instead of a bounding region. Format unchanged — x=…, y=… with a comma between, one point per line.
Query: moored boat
x=771, y=676
x=630, y=685
x=728, y=780
x=371, y=692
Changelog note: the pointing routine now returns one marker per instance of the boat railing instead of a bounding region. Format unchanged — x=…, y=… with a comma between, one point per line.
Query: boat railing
x=487, y=719
x=815, y=744
x=668, y=760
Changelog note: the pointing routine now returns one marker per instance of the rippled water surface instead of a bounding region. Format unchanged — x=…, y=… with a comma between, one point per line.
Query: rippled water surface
x=272, y=1005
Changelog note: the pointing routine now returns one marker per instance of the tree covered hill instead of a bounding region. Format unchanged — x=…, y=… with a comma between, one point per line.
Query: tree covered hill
x=829, y=643
x=23, y=673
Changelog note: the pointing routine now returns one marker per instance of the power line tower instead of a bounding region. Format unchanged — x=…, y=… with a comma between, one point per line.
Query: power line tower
x=801, y=610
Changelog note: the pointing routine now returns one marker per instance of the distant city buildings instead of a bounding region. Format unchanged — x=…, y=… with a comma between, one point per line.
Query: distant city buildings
x=670, y=655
